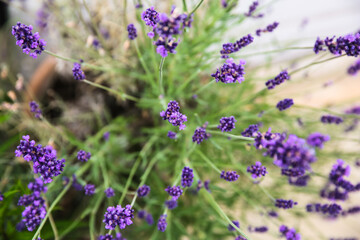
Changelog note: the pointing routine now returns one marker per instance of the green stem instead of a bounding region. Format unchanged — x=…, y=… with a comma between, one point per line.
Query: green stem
x=143, y=64
x=314, y=63
x=204, y=87
x=52, y=222
x=161, y=87
x=121, y=95
x=184, y=6
x=208, y=161
x=231, y=135
x=197, y=6
x=62, y=193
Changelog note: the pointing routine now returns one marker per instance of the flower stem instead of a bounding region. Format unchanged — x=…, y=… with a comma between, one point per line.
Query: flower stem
x=161, y=84
x=208, y=161
x=62, y=193
x=197, y=6
x=204, y=87
x=52, y=222
x=121, y=95
x=314, y=63
x=231, y=135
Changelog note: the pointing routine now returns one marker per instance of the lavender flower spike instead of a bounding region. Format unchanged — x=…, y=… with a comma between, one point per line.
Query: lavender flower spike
x=187, y=177
x=317, y=139
x=257, y=170
x=77, y=72
x=162, y=224
x=285, y=104
x=230, y=72
x=229, y=176
x=227, y=124
x=118, y=216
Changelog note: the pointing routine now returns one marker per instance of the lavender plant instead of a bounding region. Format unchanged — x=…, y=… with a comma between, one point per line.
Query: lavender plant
x=239, y=168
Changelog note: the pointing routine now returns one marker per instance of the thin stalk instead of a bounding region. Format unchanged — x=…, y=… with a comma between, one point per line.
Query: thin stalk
x=62, y=193
x=52, y=222
x=208, y=161
x=121, y=95
x=92, y=217
x=184, y=6
x=231, y=135
x=314, y=63
x=204, y=87
x=196, y=7
x=143, y=64
x=161, y=87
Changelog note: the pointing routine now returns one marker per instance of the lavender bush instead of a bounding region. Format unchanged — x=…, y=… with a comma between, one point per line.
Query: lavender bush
x=176, y=128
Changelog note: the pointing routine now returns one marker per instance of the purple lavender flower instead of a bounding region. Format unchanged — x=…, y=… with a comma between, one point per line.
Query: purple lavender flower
x=77, y=72
x=43, y=158
x=173, y=115
x=317, y=139
x=34, y=211
x=338, y=172
x=118, y=236
x=171, y=204
x=1, y=197
x=75, y=183
x=240, y=238
x=329, y=119
x=170, y=26
x=285, y=204
x=229, y=48
x=353, y=69
x=150, y=17
x=171, y=135
x=143, y=191
x=332, y=210
x=252, y=9
x=20, y=226
x=257, y=170
x=132, y=34
x=118, y=216
x=187, y=177
x=89, y=189
x=106, y=136
x=200, y=135
x=353, y=110
x=289, y=234
x=231, y=228
x=109, y=192
x=162, y=224
x=141, y=214
x=165, y=46
x=229, y=176
x=350, y=44
x=30, y=43
x=149, y=219
x=207, y=185
x=285, y=104
x=83, y=156
x=279, y=79
x=34, y=108
x=292, y=172
x=269, y=28
x=174, y=191
x=227, y=124
x=37, y=187
x=230, y=72
x=106, y=237
x=249, y=132
x=261, y=229
x=273, y=214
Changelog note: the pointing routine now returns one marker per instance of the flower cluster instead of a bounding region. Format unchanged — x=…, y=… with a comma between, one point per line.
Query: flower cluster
x=231, y=228
x=171, y=204
x=227, y=124
x=288, y=153
x=332, y=210
x=229, y=48
x=261, y=229
x=83, y=156
x=353, y=110
x=132, y=34
x=143, y=191
x=109, y=192
x=162, y=224
x=230, y=176
x=187, y=177
x=200, y=135
x=289, y=234
x=240, y=238
x=150, y=16
x=279, y=79
x=341, y=186
x=230, y=72
x=174, y=191
x=252, y=9
x=43, y=158
x=78, y=73
x=173, y=115
x=107, y=236
x=317, y=139
x=285, y=204
x=1, y=197
x=285, y=104
x=118, y=216
x=269, y=28
x=329, y=119
x=142, y=214
x=34, y=108
x=257, y=170
x=30, y=43
x=89, y=189
x=353, y=69
x=34, y=204
x=251, y=130
x=350, y=44
x=171, y=135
